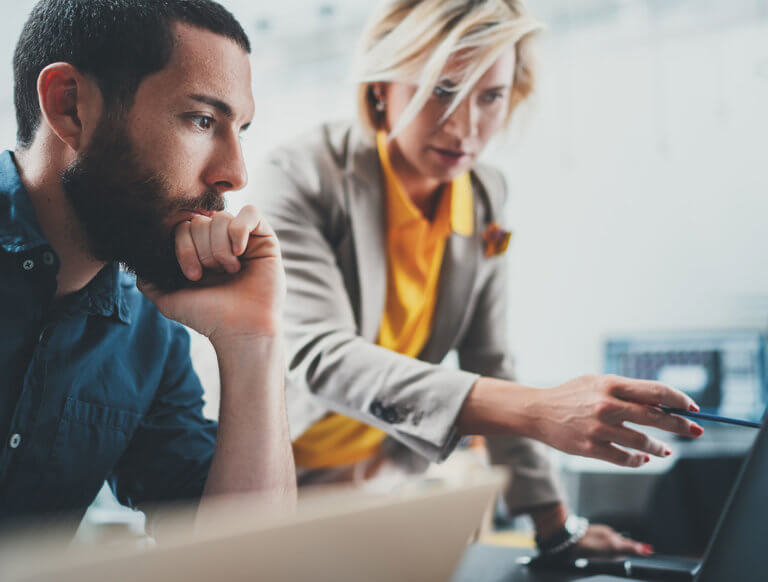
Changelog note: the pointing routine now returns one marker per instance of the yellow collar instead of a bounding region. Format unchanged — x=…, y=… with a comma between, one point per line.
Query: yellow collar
x=402, y=210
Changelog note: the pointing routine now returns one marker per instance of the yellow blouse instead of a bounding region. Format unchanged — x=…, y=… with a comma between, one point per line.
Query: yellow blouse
x=415, y=248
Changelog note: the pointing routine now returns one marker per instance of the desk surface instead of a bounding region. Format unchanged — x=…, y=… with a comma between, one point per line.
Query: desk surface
x=485, y=563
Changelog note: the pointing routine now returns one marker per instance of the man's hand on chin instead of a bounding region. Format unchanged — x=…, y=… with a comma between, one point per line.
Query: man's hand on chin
x=235, y=264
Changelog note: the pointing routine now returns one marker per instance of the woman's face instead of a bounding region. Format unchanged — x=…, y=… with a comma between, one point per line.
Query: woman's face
x=441, y=150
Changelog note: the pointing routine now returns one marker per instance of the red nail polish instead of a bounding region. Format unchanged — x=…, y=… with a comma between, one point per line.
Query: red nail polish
x=697, y=430
x=693, y=408
x=667, y=452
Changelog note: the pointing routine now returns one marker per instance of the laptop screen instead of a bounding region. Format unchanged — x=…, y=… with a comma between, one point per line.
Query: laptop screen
x=738, y=549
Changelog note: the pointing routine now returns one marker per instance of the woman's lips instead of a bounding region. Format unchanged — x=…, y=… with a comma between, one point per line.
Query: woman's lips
x=451, y=157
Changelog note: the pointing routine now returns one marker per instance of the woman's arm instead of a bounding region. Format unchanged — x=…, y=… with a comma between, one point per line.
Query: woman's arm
x=418, y=403
x=413, y=401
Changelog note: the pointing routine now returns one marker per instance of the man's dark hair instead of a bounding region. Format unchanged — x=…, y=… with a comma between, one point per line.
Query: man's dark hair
x=115, y=42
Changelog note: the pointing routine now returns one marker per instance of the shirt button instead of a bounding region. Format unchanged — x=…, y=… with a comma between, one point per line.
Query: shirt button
x=48, y=258
x=28, y=265
x=15, y=441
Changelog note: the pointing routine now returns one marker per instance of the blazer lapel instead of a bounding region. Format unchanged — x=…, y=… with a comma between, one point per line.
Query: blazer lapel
x=365, y=198
x=457, y=278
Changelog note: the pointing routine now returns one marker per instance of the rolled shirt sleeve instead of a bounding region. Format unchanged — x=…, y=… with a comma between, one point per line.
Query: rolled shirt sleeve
x=171, y=451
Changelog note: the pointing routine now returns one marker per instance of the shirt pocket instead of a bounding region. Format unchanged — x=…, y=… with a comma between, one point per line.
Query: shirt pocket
x=89, y=442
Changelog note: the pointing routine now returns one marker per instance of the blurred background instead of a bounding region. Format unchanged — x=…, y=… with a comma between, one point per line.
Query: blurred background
x=639, y=185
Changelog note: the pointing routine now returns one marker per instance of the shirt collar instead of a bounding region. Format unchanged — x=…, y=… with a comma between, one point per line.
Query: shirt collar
x=19, y=229
x=105, y=295
x=20, y=232
x=401, y=210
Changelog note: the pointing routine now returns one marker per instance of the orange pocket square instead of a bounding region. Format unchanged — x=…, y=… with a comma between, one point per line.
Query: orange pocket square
x=495, y=240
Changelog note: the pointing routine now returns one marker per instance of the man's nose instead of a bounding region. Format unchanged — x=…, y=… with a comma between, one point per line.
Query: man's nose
x=227, y=170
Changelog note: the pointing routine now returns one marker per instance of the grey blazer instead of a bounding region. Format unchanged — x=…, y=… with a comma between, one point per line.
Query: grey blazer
x=323, y=194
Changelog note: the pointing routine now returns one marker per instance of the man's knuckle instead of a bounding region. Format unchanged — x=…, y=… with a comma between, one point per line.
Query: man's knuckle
x=237, y=227
x=184, y=250
x=220, y=253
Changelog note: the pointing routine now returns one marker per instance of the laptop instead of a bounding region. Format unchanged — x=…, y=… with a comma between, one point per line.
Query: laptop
x=738, y=549
x=420, y=532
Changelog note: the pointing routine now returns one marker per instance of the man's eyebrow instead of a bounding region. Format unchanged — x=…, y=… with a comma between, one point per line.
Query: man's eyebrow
x=213, y=102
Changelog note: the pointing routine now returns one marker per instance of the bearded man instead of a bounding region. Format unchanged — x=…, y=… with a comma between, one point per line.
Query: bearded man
x=129, y=117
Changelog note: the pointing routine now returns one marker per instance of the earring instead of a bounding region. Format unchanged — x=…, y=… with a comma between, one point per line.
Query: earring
x=381, y=105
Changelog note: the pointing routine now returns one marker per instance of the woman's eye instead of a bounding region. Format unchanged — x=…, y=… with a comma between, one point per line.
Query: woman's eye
x=202, y=122
x=492, y=97
x=441, y=92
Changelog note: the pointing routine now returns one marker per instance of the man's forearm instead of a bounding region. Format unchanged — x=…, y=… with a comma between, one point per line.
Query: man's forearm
x=253, y=448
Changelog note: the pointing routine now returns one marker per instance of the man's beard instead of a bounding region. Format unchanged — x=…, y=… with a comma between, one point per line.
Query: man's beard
x=124, y=207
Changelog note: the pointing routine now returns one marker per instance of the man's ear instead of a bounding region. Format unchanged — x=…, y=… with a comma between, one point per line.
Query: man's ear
x=68, y=103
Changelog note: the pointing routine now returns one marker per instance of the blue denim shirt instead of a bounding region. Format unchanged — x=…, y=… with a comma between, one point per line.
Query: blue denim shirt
x=96, y=387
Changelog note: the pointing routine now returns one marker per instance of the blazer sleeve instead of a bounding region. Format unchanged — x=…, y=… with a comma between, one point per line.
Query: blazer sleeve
x=413, y=401
x=484, y=350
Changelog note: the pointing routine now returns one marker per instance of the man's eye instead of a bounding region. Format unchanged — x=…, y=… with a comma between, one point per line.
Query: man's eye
x=202, y=122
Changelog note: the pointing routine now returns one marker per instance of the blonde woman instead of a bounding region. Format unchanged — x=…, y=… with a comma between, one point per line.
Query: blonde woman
x=390, y=238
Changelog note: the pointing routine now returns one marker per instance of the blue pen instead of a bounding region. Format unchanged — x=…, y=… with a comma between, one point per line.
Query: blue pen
x=712, y=417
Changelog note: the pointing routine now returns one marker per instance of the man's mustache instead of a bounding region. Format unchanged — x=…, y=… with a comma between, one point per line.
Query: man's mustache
x=211, y=201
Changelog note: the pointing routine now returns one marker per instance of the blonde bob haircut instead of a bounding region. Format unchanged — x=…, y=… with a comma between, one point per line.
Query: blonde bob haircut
x=411, y=41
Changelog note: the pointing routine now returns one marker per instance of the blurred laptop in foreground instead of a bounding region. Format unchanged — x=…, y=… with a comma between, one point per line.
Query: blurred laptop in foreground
x=419, y=532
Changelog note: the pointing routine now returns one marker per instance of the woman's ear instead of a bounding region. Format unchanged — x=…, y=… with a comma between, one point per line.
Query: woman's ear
x=67, y=102
x=379, y=91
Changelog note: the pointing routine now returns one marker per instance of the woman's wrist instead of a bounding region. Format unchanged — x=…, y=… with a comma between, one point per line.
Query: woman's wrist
x=548, y=519
x=498, y=407
x=565, y=539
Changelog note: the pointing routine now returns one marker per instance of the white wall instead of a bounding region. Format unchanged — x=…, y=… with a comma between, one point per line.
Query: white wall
x=638, y=177
x=640, y=189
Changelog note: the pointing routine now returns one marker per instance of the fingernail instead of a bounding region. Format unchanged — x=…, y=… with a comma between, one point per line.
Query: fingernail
x=646, y=459
x=667, y=452
x=693, y=408
x=696, y=430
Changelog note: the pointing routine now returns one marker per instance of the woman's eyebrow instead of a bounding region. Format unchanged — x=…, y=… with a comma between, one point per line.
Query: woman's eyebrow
x=497, y=88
